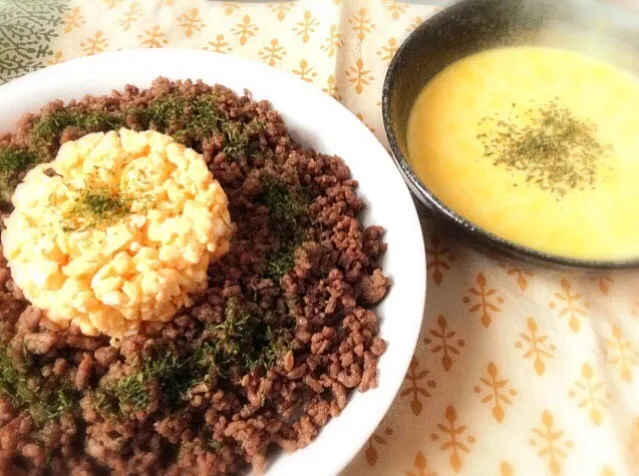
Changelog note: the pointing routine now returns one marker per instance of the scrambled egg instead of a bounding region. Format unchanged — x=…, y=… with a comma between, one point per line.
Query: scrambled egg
x=117, y=231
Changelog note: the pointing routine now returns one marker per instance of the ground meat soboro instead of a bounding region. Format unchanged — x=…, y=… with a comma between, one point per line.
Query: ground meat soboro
x=269, y=353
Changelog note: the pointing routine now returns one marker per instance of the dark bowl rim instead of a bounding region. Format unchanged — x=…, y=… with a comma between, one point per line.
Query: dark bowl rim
x=425, y=195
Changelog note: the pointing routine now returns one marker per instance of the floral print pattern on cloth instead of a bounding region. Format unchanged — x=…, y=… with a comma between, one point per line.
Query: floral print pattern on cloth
x=27, y=28
x=518, y=370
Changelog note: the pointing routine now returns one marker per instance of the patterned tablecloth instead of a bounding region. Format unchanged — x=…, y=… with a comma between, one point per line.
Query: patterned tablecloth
x=518, y=370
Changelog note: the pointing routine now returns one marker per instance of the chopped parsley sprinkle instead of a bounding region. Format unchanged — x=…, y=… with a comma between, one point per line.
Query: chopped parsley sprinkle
x=556, y=150
x=24, y=392
x=98, y=206
x=16, y=160
x=49, y=127
x=287, y=209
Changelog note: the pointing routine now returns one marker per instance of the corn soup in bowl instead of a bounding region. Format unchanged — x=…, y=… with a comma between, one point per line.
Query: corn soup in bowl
x=518, y=124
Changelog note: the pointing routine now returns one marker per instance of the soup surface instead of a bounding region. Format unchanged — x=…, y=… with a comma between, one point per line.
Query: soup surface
x=536, y=145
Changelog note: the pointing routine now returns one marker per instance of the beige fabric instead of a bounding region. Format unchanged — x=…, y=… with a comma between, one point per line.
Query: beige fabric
x=518, y=371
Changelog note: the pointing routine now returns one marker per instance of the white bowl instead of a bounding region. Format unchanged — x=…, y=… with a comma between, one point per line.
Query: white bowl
x=315, y=120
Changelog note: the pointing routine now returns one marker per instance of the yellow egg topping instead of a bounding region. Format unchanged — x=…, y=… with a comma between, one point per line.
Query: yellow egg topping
x=537, y=145
x=118, y=230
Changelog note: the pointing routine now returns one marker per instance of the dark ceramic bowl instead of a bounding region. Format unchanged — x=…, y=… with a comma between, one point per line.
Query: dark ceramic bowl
x=461, y=30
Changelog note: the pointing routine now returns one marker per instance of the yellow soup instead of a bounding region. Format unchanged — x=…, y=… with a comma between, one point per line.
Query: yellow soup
x=536, y=145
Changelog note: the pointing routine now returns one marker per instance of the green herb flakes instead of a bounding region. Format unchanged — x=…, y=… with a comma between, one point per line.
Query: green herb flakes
x=24, y=392
x=173, y=376
x=183, y=117
x=49, y=127
x=288, y=209
x=247, y=341
x=97, y=206
x=553, y=148
x=13, y=160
